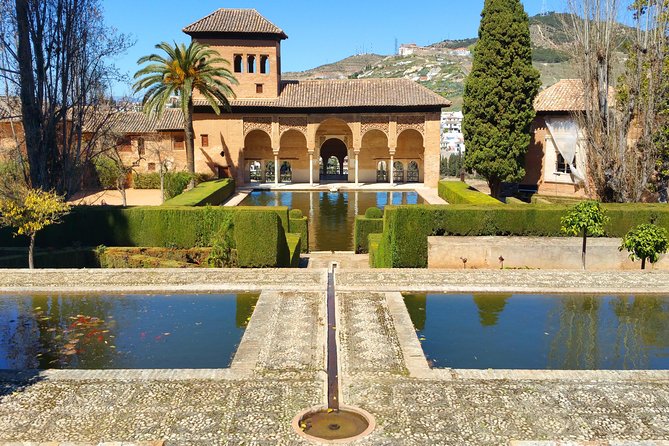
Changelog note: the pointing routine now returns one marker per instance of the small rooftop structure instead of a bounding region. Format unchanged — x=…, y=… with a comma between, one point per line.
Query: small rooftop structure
x=564, y=96
x=247, y=22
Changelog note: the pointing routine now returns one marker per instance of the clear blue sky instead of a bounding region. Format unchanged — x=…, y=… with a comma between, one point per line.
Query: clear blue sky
x=319, y=32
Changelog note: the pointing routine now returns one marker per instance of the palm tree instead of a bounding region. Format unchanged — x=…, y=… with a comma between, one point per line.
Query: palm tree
x=181, y=72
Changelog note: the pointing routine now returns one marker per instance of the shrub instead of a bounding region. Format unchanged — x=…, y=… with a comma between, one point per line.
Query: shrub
x=295, y=214
x=152, y=257
x=260, y=240
x=294, y=241
x=645, y=242
x=373, y=242
x=584, y=219
x=300, y=226
x=365, y=226
x=210, y=192
x=374, y=212
x=406, y=228
x=175, y=183
x=223, y=253
x=146, y=180
x=457, y=192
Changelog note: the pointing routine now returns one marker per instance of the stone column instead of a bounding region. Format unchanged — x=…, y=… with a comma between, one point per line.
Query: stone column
x=276, y=170
x=311, y=169
x=392, y=169
x=357, y=170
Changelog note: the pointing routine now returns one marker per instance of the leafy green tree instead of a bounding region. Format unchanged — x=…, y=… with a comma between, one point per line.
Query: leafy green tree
x=586, y=219
x=183, y=72
x=646, y=242
x=499, y=94
x=37, y=210
x=112, y=174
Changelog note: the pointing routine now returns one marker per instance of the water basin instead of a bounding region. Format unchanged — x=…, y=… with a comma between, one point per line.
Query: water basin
x=555, y=332
x=122, y=331
x=331, y=214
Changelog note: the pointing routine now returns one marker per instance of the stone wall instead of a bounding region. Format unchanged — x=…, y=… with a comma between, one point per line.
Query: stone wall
x=531, y=252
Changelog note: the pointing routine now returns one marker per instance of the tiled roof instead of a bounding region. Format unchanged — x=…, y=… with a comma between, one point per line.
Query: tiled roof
x=566, y=95
x=140, y=122
x=235, y=21
x=10, y=108
x=349, y=93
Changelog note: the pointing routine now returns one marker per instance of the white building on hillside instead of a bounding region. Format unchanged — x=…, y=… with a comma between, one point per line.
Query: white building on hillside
x=451, y=121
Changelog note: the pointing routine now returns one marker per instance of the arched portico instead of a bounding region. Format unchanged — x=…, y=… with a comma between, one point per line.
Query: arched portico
x=257, y=155
x=334, y=149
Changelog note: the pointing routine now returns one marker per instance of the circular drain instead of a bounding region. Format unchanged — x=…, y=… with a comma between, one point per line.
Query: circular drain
x=334, y=426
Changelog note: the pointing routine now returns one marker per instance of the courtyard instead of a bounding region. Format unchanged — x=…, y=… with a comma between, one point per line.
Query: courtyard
x=280, y=369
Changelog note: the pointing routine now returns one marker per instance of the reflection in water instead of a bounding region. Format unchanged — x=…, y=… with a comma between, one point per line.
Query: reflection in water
x=543, y=332
x=331, y=214
x=96, y=332
x=490, y=307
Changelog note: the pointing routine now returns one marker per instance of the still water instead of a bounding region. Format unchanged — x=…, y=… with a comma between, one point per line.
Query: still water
x=331, y=214
x=122, y=331
x=561, y=332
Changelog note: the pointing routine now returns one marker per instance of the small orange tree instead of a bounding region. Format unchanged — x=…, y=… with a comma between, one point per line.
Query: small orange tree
x=32, y=213
x=585, y=219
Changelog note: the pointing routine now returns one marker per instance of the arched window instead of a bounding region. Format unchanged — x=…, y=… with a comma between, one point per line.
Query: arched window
x=269, y=171
x=239, y=63
x=264, y=64
x=413, y=173
x=382, y=172
x=255, y=172
x=286, y=172
x=251, y=64
x=398, y=172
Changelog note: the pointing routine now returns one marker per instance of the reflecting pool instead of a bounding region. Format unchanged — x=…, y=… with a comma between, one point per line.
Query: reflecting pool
x=122, y=331
x=331, y=214
x=557, y=332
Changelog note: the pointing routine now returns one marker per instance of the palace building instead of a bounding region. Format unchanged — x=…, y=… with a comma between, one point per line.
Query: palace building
x=356, y=131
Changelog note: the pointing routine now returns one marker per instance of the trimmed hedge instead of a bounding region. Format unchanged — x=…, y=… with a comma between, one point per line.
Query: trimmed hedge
x=457, y=192
x=294, y=242
x=363, y=227
x=153, y=257
x=406, y=228
x=177, y=227
x=64, y=258
x=261, y=240
x=373, y=241
x=146, y=180
x=300, y=226
x=211, y=192
x=374, y=212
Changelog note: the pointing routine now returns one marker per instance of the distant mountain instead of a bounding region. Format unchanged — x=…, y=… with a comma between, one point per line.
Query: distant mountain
x=443, y=66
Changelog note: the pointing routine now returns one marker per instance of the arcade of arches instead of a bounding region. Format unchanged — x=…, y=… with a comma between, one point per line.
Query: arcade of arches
x=339, y=150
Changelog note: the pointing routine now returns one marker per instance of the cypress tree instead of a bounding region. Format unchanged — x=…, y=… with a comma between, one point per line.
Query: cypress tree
x=499, y=95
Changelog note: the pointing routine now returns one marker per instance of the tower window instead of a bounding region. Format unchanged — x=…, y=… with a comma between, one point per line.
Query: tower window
x=205, y=140
x=251, y=64
x=259, y=88
x=264, y=64
x=238, y=63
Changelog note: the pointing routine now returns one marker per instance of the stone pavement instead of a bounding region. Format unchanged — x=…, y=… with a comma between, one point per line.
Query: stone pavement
x=279, y=370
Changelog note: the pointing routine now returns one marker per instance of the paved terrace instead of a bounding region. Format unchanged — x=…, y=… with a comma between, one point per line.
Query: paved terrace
x=279, y=370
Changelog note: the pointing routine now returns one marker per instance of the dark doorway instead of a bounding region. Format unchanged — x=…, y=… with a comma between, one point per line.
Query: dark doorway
x=334, y=154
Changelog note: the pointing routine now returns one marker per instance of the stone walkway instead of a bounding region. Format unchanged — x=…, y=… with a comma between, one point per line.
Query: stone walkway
x=279, y=370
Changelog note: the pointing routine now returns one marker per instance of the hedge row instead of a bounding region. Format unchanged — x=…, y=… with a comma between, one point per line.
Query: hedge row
x=363, y=227
x=63, y=258
x=183, y=227
x=406, y=228
x=153, y=257
x=457, y=192
x=260, y=240
x=301, y=226
x=294, y=242
x=373, y=241
x=211, y=192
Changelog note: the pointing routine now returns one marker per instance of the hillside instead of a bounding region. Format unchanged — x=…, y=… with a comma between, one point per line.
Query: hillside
x=441, y=69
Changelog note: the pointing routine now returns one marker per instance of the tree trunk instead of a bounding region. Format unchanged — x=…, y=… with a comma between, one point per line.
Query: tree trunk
x=190, y=143
x=124, y=197
x=585, y=241
x=162, y=185
x=643, y=263
x=31, y=252
x=495, y=187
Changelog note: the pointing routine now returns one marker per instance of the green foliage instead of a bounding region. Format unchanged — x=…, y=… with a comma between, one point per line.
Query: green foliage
x=111, y=172
x=13, y=185
x=406, y=228
x=260, y=240
x=373, y=241
x=373, y=212
x=457, y=192
x=146, y=180
x=499, y=95
x=223, y=253
x=646, y=242
x=294, y=242
x=120, y=257
x=548, y=55
x=300, y=226
x=295, y=214
x=586, y=218
x=176, y=182
x=210, y=192
x=364, y=226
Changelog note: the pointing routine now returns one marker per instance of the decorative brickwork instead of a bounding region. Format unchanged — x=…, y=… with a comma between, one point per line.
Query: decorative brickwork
x=414, y=122
x=374, y=122
x=263, y=123
x=298, y=123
